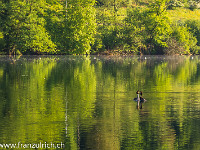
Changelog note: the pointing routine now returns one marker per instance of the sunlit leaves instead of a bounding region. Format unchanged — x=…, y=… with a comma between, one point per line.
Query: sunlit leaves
x=80, y=26
x=157, y=23
x=24, y=27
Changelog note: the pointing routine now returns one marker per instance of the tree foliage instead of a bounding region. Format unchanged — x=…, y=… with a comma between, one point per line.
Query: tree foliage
x=85, y=26
x=27, y=26
x=80, y=26
x=24, y=27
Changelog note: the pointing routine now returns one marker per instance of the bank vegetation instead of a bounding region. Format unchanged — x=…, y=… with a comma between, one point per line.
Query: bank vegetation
x=100, y=27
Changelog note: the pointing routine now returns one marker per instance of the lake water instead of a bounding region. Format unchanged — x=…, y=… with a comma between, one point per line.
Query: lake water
x=79, y=102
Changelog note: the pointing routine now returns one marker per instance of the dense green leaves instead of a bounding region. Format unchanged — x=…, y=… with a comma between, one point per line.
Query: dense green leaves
x=80, y=26
x=24, y=27
x=85, y=26
x=41, y=26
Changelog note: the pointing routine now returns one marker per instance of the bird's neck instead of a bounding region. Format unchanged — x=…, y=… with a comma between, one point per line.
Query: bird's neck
x=138, y=96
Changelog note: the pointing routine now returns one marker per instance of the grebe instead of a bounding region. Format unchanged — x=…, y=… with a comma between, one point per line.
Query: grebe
x=139, y=98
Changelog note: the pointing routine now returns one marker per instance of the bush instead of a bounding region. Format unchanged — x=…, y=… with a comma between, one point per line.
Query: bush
x=194, y=27
x=134, y=32
x=183, y=39
x=98, y=45
x=195, y=50
x=174, y=47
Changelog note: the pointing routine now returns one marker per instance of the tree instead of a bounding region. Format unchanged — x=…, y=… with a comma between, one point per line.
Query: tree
x=184, y=39
x=148, y=28
x=157, y=25
x=24, y=27
x=80, y=26
x=134, y=30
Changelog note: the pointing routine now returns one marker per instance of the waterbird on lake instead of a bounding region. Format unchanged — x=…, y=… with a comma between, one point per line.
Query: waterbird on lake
x=139, y=98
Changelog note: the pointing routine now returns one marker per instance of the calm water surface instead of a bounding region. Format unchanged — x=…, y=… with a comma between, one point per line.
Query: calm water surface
x=87, y=102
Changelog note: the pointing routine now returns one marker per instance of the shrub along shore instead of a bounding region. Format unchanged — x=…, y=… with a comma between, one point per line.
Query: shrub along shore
x=104, y=27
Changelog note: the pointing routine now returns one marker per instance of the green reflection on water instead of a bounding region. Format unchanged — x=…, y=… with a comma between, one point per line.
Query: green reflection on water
x=87, y=102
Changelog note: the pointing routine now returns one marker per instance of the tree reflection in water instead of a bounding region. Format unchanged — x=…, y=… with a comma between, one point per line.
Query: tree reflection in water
x=86, y=103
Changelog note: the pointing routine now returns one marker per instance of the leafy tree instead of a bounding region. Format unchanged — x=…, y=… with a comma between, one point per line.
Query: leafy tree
x=149, y=28
x=24, y=27
x=55, y=15
x=109, y=31
x=184, y=38
x=134, y=30
x=110, y=21
x=194, y=27
x=157, y=25
x=80, y=26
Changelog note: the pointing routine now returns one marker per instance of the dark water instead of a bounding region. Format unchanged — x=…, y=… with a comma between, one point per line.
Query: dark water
x=87, y=102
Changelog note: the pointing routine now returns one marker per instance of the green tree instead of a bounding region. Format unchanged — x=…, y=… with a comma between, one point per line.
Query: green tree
x=183, y=40
x=80, y=26
x=134, y=30
x=110, y=20
x=157, y=25
x=24, y=27
x=148, y=28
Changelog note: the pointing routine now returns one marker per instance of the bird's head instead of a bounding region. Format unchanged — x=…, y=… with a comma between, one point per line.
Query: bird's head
x=139, y=92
